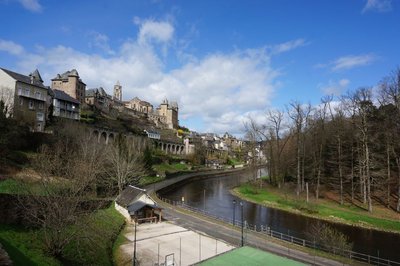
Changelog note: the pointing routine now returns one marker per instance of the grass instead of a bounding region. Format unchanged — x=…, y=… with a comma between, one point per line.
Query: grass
x=171, y=168
x=147, y=180
x=24, y=246
x=118, y=257
x=323, y=209
x=94, y=247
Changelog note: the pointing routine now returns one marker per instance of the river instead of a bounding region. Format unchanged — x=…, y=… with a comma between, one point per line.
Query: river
x=213, y=195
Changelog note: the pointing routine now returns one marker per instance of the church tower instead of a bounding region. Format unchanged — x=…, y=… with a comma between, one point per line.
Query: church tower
x=118, y=91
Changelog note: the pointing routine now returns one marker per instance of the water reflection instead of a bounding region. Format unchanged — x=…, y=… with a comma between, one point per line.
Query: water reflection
x=214, y=195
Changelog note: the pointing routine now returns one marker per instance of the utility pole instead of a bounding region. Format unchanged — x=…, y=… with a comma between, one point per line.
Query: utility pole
x=234, y=209
x=241, y=206
x=134, y=247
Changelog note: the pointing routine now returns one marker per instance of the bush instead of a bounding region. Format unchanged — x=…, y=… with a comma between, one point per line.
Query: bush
x=329, y=239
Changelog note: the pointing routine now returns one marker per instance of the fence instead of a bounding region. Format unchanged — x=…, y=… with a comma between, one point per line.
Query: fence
x=265, y=230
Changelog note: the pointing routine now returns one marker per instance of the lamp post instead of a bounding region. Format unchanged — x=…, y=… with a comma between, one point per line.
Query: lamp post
x=241, y=207
x=234, y=209
x=134, y=247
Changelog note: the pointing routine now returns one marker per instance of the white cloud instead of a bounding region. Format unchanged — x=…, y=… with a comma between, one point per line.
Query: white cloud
x=31, y=5
x=11, y=47
x=335, y=88
x=101, y=41
x=378, y=6
x=151, y=30
x=287, y=46
x=352, y=61
x=219, y=89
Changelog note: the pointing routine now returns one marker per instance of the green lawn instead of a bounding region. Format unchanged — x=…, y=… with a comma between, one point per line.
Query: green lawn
x=329, y=211
x=250, y=257
x=94, y=247
x=171, y=168
x=147, y=180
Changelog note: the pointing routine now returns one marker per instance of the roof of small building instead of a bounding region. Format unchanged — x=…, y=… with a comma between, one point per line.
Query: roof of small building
x=61, y=95
x=128, y=195
x=37, y=80
x=138, y=205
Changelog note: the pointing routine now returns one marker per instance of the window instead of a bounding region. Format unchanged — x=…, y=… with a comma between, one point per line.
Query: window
x=31, y=105
x=19, y=91
x=39, y=127
x=21, y=101
x=38, y=95
x=27, y=92
x=39, y=116
x=41, y=106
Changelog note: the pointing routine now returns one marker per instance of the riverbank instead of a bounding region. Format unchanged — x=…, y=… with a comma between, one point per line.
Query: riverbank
x=323, y=209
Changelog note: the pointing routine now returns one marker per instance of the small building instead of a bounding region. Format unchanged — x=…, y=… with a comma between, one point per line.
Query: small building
x=135, y=204
x=25, y=97
x=152, y=134
x=65, y=106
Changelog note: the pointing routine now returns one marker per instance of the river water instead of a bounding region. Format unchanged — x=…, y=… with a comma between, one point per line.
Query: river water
x=212, y=194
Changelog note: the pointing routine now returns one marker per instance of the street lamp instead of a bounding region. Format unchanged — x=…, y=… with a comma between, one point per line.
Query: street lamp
x=134, y=248
x=234, y=209
x=241, y=207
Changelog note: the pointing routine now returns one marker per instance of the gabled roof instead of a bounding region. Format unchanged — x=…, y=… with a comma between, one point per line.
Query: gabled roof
x=38, y=82
x=61, y=95
x=128, y=195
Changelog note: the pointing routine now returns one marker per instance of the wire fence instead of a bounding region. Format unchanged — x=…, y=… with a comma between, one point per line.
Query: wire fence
x=265, y=230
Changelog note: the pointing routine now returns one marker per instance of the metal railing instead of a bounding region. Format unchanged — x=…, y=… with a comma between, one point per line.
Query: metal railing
x=362, y=257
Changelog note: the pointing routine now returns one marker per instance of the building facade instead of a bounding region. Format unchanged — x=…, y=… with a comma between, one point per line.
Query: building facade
x=25, y=97
x=170, y=112
x=70, y=83
x=65, y=106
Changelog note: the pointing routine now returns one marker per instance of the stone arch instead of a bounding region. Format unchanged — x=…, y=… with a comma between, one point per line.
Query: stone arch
x=96, y=135
x=103, y=137
x=111, y=137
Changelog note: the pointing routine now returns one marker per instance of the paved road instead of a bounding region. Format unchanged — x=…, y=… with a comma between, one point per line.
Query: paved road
x=232, y=235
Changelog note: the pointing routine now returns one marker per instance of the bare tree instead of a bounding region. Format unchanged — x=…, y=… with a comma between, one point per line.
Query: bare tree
x=125, y=159
x=67, y=170
x=299, y=115
x=6, y=101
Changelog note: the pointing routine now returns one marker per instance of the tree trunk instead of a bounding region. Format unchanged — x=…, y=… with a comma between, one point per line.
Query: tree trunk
x=352, y=174
x=388, y=175
x=340, y=169
x=368, y=177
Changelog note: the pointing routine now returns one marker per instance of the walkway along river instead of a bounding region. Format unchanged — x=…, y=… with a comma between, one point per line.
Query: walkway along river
x=213, y=195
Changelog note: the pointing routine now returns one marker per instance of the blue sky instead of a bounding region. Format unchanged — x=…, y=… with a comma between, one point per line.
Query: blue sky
x=222, y=61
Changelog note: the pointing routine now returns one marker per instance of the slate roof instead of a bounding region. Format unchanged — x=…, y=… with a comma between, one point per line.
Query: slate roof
x=65, y=75
x=61, y=95
x=128, y=195
x=90, y=92
x=26, y=79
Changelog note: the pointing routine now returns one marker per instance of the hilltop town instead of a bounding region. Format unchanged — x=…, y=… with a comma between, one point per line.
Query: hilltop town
x=28, y=100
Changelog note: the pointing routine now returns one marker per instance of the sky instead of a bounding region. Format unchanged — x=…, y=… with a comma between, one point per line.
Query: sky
x=221, y=61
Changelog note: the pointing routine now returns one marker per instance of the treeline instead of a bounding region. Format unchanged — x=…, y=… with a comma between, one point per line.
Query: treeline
x=349, y=144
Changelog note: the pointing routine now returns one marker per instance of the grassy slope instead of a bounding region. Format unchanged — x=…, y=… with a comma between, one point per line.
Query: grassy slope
x=323, y=209
x=25, y=246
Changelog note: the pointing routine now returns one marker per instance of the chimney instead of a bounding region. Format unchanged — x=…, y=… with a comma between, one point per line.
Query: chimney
x=32, y=79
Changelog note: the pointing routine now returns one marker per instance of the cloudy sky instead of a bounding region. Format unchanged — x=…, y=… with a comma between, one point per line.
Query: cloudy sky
x=220, y=60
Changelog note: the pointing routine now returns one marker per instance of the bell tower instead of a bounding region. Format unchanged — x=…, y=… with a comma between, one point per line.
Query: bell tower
x=118, y=91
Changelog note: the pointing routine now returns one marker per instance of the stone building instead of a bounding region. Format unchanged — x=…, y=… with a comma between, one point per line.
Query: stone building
x=25, y=97
x=170, y=112
x=65, y=106
x=99, y=98
x=139, y=105
x=70, y=83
